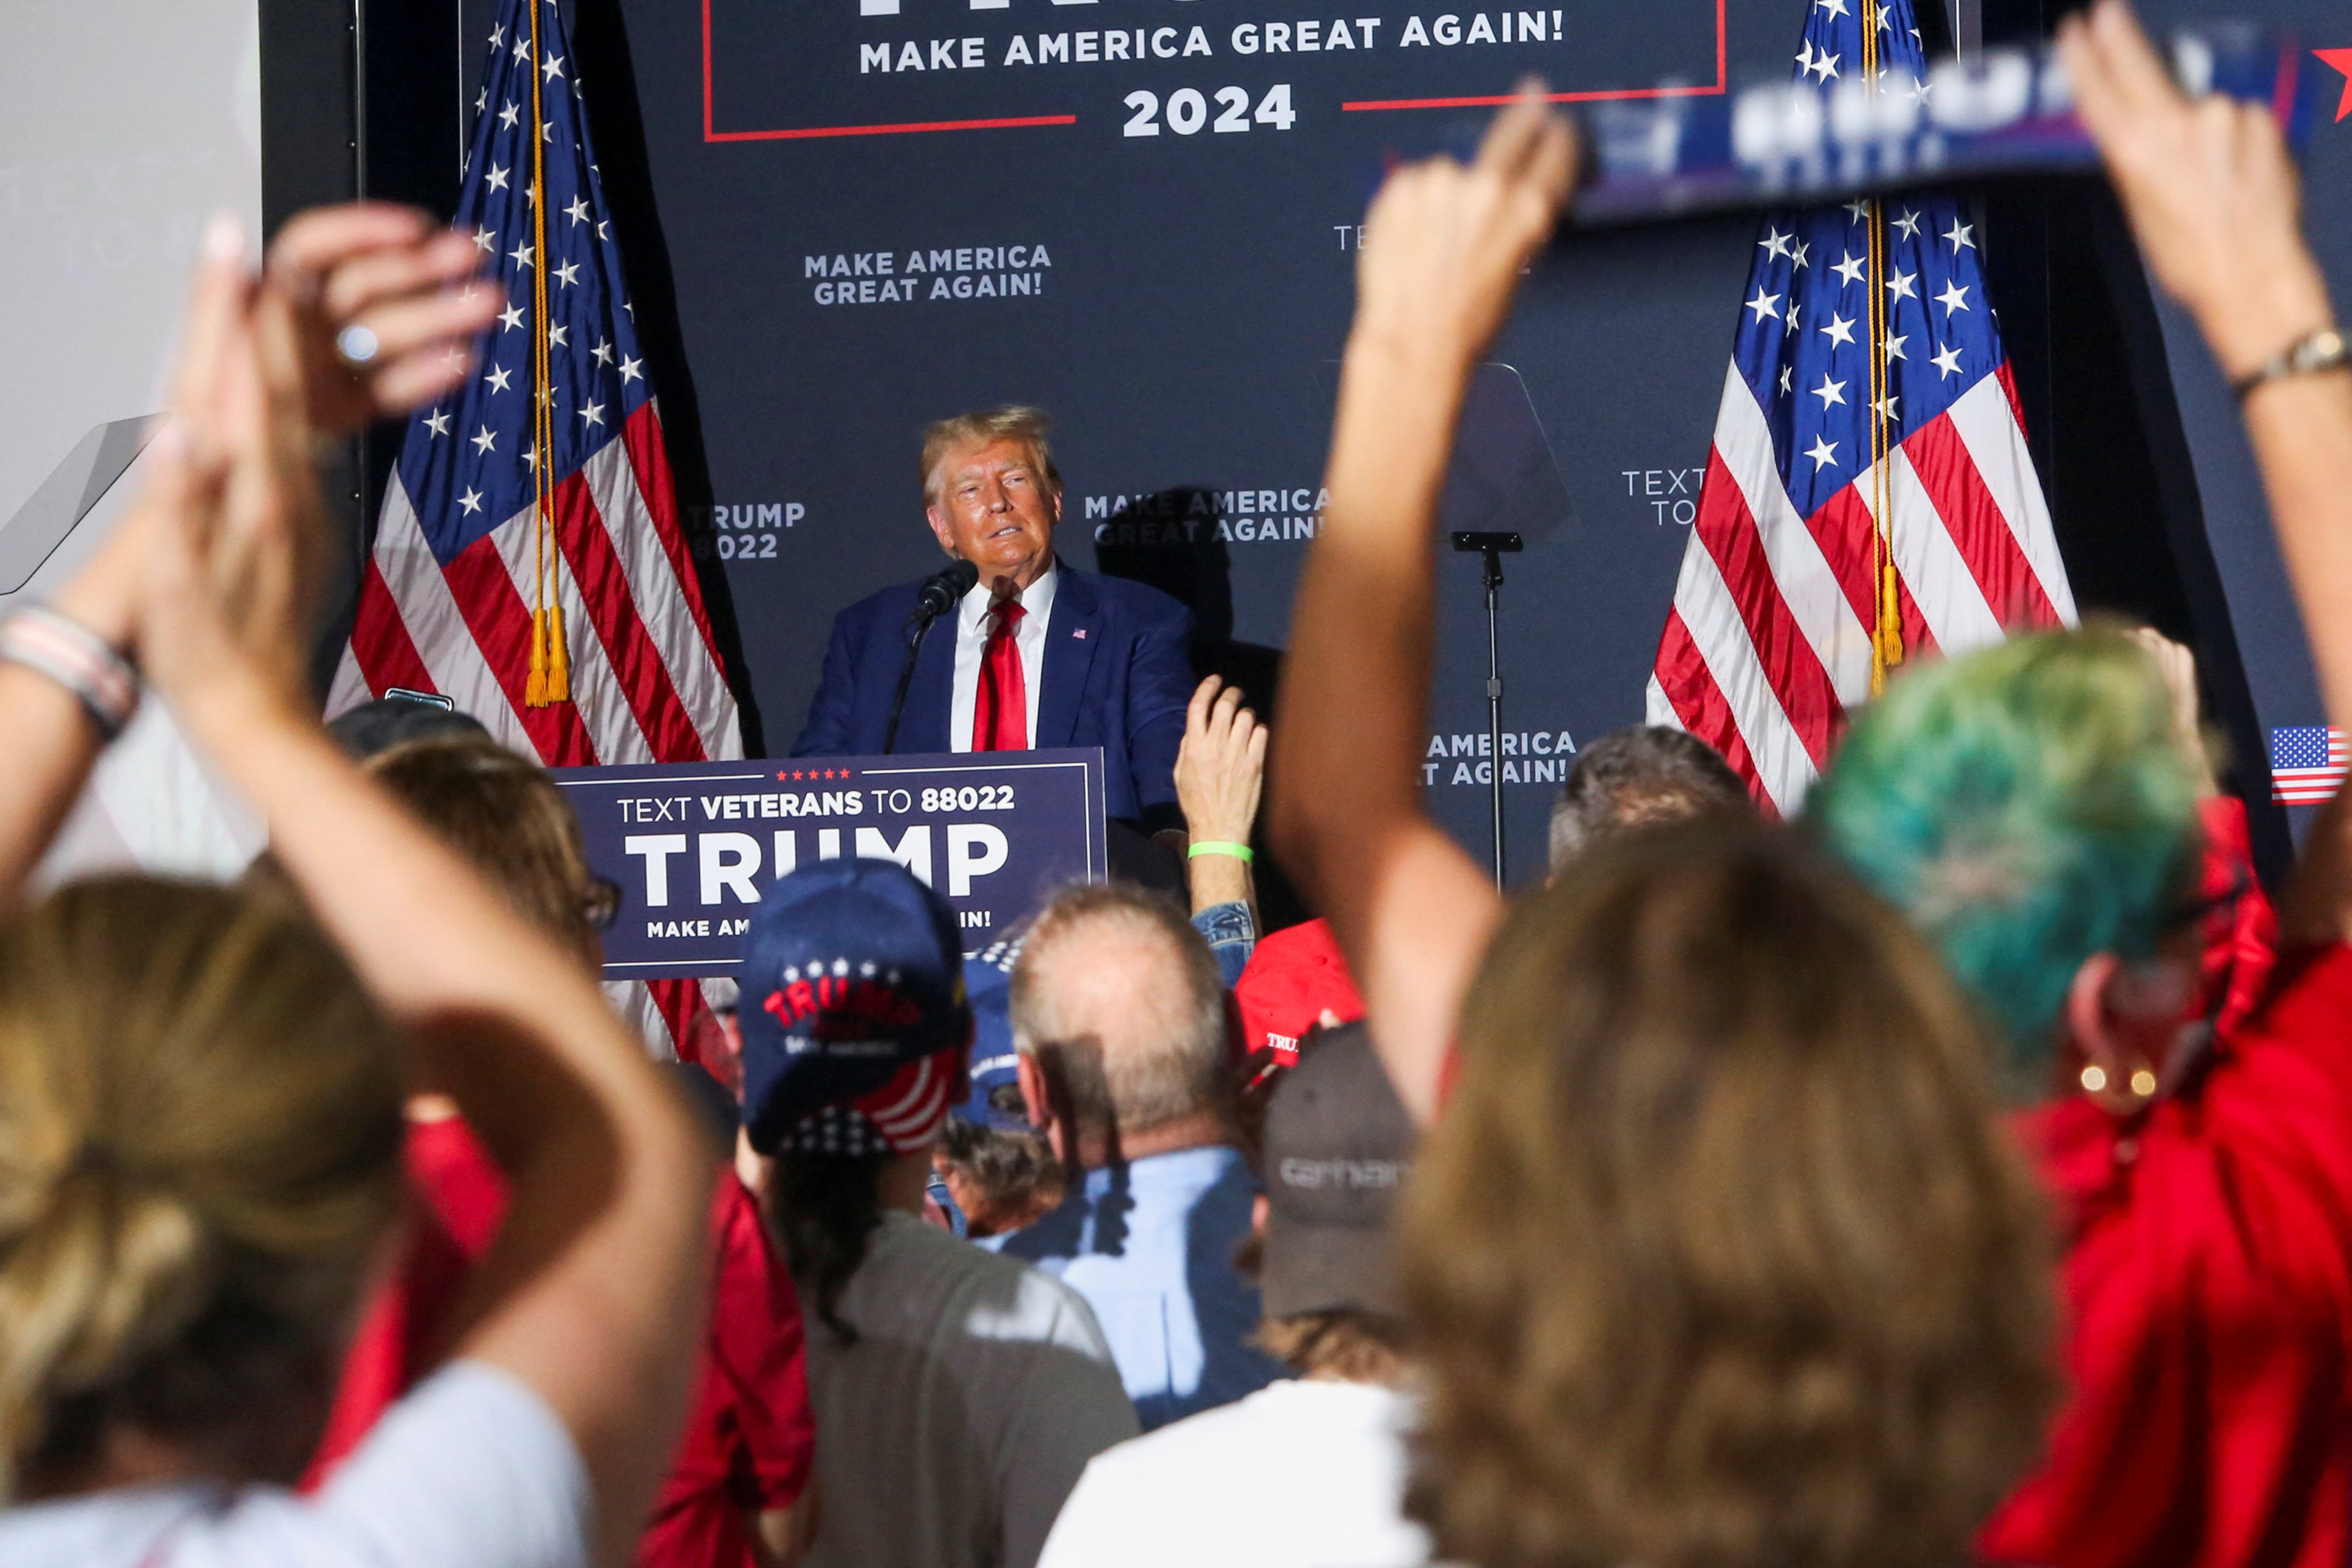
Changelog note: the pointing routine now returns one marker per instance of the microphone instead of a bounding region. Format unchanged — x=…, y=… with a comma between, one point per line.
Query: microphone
x=941, y=593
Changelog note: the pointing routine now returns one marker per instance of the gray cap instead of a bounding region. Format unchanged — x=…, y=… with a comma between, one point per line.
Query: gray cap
x=1339, y=1148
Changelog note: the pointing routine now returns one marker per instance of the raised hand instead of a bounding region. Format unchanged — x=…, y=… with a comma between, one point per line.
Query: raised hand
x=2212, y=196
x=402, y=287
x=1446, y=242
x=1221, y=766
x=233, y=529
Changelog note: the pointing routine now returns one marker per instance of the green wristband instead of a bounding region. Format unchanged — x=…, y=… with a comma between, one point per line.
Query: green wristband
x=1241, y=852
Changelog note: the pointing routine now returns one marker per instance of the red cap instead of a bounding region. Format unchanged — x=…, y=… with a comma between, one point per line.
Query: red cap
x=1293, y=977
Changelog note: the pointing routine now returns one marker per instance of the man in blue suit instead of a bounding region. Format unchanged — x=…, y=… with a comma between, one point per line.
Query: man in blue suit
x=1039, y=654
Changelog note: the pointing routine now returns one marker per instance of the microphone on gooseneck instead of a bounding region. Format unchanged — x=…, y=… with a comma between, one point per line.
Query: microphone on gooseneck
x=941, y=593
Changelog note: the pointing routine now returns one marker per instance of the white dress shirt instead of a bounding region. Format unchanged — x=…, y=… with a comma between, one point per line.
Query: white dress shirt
x=973, y=618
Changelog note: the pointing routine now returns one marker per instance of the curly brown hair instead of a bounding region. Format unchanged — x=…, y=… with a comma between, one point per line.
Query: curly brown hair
x=1720, y=1256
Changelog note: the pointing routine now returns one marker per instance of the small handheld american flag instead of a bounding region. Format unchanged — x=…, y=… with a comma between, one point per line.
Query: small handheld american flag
x=2307, y=763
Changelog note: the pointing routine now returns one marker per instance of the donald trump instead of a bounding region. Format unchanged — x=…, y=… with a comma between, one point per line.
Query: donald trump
x=1042, y=654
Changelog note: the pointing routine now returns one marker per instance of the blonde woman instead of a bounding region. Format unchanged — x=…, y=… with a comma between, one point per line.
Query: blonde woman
x=200, y=1092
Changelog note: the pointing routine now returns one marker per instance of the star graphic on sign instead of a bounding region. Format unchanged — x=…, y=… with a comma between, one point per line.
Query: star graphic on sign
x=1859, y=207
x=521, y=257
x=1851, y=269
x=1895, y=348
x=578, y=211
x=437, y=422
x=558, y=336
x=498, y=377
x=471, y=501
x=554, y=67
x=1765, y=305
x=631, y=369
x=1953, y=298
x=1776, y=242
x=1909, y=224
x=2341, y=60
x=604, y=351
x=497, y=178
x=486, y=442
x=1900, y=286
x=1839, y=331
x=1824, y=452
x=567, y=274
x=1828, y=392
x=508, y=117
x=1947, y=363
x=512, y=317
x=1960, y=234
x=486, y=240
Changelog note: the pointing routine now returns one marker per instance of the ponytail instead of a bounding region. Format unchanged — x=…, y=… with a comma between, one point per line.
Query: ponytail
x=199, y=1148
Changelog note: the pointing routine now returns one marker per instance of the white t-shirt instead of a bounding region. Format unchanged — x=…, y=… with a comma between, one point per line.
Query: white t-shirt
x=950, y=1433
x=972, y=615
x=1304, y=1474
x=472, y=1470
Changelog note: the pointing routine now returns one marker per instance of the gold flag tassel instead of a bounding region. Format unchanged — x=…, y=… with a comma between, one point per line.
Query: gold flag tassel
x=534, y=689
x=558, y=658
x=550, y=681
x=1886, y=628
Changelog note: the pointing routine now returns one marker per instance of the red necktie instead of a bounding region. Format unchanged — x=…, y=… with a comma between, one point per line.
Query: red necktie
x=1000, y=715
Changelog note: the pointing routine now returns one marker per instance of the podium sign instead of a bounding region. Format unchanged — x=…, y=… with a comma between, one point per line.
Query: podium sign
x=692, y=844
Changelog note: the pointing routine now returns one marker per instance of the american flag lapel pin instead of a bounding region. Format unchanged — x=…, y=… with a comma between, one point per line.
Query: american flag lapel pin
x=1080, y=634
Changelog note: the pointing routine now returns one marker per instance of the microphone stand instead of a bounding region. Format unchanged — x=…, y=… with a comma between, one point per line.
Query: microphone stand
x=1493, y=547
x=917, y=629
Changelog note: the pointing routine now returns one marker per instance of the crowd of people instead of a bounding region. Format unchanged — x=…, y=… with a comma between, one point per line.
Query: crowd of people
x=1964, y=1169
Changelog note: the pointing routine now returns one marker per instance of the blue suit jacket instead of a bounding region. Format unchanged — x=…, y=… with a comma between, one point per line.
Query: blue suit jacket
x=1117, y=675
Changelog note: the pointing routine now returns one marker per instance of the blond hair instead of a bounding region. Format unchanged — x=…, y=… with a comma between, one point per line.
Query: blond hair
x=1720, y=1254
x=200, y=1135
x=1013, y=423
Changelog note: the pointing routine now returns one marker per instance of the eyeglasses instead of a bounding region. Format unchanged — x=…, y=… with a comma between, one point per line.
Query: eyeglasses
x=601, y=904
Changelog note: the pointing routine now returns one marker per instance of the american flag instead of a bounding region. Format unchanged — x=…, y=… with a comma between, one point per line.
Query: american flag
x=1869, y=419
x=2307, y=763
x=473, y=573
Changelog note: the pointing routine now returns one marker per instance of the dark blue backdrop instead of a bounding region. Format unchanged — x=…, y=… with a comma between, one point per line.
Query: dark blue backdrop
x=1180, y=301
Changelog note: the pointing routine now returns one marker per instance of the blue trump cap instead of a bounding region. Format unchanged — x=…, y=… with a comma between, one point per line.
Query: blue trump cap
x=853, y=1012
x=995, y=1072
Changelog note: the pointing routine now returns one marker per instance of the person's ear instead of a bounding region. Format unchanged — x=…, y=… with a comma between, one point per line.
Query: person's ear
x=2119, y=1031
x=1034, y=1097
x=1054, y=498
x=938, y=518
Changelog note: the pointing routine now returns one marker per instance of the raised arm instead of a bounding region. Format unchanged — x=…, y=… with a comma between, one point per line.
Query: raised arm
x=1444, y=247
x=592, y=1293
x=2216, y=206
